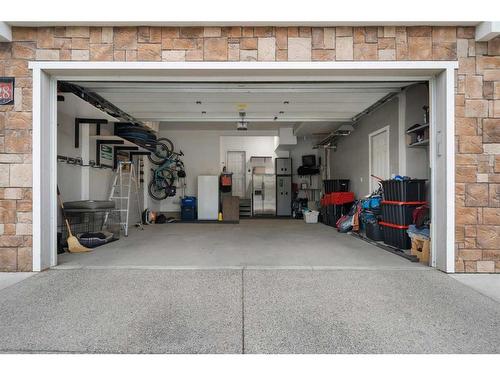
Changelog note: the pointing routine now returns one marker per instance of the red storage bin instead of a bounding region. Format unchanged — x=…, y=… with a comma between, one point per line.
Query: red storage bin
x=342, y=197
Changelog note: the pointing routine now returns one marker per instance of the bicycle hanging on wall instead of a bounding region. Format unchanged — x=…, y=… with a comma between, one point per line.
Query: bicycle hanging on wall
x=170, y=168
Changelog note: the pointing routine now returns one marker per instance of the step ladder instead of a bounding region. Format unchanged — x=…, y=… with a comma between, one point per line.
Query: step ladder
x=124, y=180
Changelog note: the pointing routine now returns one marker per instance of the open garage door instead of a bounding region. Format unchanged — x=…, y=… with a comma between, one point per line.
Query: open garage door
x=331, y=73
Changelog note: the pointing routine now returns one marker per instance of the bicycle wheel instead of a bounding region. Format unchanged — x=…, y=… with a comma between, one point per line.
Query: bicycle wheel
x=156, y=192
x=167, y=142
x=163, y=149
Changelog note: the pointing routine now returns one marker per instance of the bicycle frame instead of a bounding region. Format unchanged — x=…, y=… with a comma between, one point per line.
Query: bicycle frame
x=167, y=166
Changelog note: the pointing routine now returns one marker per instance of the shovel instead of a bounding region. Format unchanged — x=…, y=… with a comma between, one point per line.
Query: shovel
x=74, y=246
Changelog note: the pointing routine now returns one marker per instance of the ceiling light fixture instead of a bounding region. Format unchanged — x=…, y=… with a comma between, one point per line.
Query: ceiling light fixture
x=242, y=124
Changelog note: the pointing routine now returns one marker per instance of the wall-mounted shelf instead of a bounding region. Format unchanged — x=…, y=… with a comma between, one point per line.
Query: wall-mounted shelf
x=418, y=135
x=118, y=143
x=423, y=143
x=123, y=141
x=420, y=127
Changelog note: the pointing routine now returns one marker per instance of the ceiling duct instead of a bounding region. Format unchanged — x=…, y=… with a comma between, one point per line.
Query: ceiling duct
x=342, y=131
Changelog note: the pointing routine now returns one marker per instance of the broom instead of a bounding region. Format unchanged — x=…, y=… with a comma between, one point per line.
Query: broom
x=74, y=246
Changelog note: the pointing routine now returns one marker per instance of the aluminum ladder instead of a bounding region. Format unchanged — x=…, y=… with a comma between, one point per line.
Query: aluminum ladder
x=124, y=180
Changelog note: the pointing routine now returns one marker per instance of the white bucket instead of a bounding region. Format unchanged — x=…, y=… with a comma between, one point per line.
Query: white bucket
x=311, y=217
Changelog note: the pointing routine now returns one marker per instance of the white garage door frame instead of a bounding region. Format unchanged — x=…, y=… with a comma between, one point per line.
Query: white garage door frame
x=439, y=74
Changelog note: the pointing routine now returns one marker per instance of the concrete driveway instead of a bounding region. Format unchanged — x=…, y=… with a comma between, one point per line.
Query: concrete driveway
x=247, y=311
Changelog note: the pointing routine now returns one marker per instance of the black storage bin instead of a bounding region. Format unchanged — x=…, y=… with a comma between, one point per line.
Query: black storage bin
x=374, y=231
x=335, y=186
x=322, y=215
x=398, y=212
x=396, y=237
x=334, y=213
x=404, y=191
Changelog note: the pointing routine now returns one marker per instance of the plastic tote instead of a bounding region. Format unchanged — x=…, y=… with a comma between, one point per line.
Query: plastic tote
x=400, y=213
x=311, y=217
x=404, y=191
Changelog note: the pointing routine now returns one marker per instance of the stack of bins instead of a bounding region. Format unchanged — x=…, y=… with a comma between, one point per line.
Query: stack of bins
x=400, y=199
x=331, y=212
x=335, y=186
x=334, y=205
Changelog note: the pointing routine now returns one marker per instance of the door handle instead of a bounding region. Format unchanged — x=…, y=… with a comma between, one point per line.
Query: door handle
x=439, y=143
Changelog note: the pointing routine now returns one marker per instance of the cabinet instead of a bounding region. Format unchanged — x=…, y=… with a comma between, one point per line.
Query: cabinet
x=283, y=166
x=283, y=195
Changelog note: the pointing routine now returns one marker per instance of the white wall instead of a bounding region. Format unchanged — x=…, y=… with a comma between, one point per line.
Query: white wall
x=205, y=154
x=73, y=181
x=81, y=183
x=201, y=157
x=69, y=177
x=252, y=145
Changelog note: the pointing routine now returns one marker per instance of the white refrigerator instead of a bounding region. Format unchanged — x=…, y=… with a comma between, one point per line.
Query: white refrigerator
x=208, y=197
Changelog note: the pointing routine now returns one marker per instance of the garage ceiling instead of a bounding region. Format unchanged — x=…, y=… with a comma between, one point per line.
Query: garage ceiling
x=309, y=107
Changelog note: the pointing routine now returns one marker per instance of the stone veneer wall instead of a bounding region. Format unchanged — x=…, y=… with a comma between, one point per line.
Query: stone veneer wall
x=477, y=104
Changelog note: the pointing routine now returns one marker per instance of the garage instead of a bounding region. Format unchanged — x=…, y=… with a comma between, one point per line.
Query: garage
x=247, y=168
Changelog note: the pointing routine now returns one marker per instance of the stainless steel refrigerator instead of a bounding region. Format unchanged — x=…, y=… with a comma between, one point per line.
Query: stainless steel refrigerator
x=283, y=186
x=263, y=194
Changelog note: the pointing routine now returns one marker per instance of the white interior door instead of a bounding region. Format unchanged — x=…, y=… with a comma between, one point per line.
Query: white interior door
x=236, y=164
x=379, y=155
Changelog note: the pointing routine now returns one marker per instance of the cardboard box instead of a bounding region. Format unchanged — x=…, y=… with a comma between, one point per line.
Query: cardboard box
x=421, y=249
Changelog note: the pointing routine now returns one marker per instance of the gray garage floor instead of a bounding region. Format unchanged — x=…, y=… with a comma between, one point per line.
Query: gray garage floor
x=247, y=311
x=264, y=242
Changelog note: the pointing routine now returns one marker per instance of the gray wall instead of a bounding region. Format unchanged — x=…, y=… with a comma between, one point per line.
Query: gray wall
x=351, y=159
x=417, y=158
